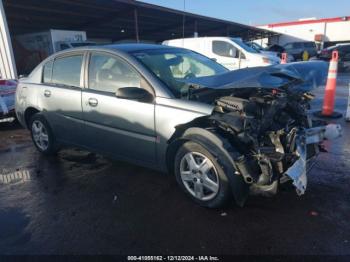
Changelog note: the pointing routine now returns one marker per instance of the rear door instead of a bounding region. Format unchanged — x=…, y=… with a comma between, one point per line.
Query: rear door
x=121, y=127
x=60, y=96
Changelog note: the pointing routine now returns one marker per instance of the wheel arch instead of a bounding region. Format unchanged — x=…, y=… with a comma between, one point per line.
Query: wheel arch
x=28, y=113
x=219, y=146
x=177, y=139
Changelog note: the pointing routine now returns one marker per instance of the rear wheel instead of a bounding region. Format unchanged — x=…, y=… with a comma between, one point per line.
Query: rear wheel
x=42, y=135
x=200, y=176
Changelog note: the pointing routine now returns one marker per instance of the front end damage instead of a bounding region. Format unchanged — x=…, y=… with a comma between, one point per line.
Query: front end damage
x=268, y=126
x=274, y=138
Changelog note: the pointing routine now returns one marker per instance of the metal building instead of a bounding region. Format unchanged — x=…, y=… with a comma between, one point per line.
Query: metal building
x=109, y=20
x=326, y=31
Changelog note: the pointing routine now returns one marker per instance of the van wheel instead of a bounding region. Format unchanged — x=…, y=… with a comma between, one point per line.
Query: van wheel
x=200, y=176
x=42, y=135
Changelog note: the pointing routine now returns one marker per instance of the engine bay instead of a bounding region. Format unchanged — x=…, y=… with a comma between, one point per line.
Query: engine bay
x=265, y=128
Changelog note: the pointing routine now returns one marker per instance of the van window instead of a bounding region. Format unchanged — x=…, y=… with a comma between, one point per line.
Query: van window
x=67, y=70
x=223, y=48
x=108, y=73
x=47, y=72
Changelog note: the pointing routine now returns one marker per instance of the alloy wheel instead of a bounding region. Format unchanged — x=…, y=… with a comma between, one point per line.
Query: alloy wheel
x=40, y=135
x=199, y=176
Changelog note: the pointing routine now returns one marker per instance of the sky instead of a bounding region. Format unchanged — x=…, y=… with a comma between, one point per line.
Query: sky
x=259, y=12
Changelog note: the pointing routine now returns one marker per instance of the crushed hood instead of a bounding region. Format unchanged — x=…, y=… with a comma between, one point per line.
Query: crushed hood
x=301, y=76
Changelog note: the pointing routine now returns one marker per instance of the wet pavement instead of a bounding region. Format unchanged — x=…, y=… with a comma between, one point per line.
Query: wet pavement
x=81, y=203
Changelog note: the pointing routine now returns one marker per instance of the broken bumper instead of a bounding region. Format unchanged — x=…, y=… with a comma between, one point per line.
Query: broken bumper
x=297, y=172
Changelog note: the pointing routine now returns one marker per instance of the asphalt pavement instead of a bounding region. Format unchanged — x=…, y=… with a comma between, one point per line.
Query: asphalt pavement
x=82, y=203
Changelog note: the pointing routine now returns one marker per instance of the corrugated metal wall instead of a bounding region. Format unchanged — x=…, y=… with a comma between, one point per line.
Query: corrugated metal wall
x=7, y=61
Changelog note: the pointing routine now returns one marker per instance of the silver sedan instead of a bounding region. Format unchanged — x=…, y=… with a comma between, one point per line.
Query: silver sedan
x=220, y=133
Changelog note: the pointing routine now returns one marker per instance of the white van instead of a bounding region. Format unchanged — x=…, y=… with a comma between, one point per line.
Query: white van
x=232, y=53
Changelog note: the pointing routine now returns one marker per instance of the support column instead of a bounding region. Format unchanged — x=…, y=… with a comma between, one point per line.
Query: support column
x=195, y=33
x=136, y=25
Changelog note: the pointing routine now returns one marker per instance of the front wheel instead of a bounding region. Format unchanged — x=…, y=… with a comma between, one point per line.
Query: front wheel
x=42, y=135
x=200, y=176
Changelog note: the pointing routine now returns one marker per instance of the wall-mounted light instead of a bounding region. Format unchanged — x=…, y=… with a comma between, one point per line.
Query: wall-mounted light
x=122, y=31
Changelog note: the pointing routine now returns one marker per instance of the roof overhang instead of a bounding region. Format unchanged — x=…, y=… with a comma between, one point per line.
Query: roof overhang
x=119, y=20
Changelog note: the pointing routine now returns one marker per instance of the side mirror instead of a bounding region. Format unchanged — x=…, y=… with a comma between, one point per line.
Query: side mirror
x=134, y=93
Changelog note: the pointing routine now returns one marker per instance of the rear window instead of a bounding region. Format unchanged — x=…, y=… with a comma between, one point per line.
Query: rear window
x=66, y=70
x=47, y=72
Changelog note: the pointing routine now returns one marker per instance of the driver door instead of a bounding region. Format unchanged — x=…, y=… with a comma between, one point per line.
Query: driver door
x=121, y=127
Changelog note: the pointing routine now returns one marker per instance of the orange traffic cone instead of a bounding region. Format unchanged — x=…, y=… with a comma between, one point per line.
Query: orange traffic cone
x=329, y=96
x=284, y=58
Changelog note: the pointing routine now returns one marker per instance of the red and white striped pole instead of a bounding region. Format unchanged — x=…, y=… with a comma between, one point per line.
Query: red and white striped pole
x=329, y=95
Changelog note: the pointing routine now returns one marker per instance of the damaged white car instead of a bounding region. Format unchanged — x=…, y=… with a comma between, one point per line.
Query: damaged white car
x=220, y=133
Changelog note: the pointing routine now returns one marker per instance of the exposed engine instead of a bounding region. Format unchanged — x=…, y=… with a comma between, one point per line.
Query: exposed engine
x=262, y=127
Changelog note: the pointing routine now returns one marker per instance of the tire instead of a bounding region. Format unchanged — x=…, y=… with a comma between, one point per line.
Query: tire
x=199, y=182
x=43, y=140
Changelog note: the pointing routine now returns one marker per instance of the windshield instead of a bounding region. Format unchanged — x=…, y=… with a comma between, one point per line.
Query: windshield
x=173, y=66
x=255, y=46
x=244, y=46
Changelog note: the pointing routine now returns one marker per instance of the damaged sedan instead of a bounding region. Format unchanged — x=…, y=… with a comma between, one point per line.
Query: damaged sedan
x=221, y=134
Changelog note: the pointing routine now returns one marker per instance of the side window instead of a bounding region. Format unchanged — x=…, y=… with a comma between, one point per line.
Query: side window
x=47, y=72
x=346, y=53
x=108, y=73
x=310, y=45
x=222, y=48
x=297, y=45
x=288, y=46
x=346, y=49
x=67, y=70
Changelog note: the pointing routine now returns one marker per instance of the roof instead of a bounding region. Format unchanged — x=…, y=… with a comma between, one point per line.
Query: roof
x=123, y=48
x=118, y=20
x=310, y=21
x=132, y=47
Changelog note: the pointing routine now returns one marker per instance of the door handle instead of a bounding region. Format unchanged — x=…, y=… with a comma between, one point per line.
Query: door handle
x=47, y=93
x=93, y=102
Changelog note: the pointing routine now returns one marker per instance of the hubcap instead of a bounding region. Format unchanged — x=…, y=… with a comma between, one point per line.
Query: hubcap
x=199, y=176
x=40, y=136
